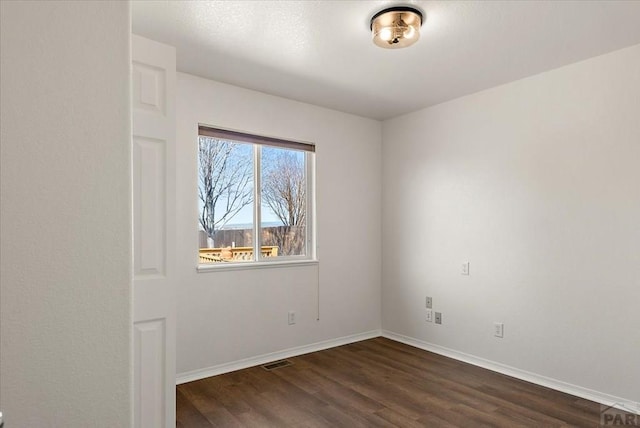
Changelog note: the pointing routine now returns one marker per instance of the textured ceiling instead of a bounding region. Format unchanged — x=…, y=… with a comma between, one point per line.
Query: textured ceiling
x=321, y=52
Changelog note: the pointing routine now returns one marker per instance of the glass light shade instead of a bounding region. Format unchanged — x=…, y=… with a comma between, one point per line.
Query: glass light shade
x=396, y=27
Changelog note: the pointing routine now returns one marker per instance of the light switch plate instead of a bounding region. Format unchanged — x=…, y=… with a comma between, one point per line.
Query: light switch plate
x=465, y=268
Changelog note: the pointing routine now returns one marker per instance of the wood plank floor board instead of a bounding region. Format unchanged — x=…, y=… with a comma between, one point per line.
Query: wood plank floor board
x=528, y=418
x=380, y=381
x=398, y=419
x=355, y=400
x=549, y=407
x=432, y=374
x=273, y=414
x=221, y=417
x=433, y=421
x=517, y=409
x=397, y=398
x=453, y=418
x=491, y=419
x=308, y=379
x=228, y=398
x=190, y=416
x=440, y=391
x=281, y=391
x=292, y=412
x=376, y=383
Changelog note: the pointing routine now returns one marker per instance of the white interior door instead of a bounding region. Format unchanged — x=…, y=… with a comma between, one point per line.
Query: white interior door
x=154, y=327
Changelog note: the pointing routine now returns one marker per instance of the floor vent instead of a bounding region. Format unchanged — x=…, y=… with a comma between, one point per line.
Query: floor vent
x=277, y=365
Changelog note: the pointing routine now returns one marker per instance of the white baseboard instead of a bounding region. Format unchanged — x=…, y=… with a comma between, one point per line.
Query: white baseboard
x=598, y=397
x=272, y=356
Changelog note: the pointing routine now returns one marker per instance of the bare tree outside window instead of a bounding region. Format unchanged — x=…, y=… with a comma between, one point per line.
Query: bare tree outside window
x=284, y=193
x=237, y=170
x=225, y=181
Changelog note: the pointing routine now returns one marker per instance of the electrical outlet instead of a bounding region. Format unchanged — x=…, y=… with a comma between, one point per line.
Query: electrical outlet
x=465, y=268
x=429, y=316
x=438, y=317
x=498, y=329
x=292, y=317
x=429, y=303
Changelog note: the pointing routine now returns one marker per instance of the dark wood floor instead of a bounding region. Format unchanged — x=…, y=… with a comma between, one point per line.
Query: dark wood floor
x=373, y=383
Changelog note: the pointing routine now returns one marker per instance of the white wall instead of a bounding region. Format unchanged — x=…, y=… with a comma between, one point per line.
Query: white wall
x=537, y=184
x=65, y=220
x=228, y=316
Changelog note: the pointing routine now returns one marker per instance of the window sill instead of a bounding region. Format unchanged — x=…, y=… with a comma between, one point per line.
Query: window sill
x=254, y=265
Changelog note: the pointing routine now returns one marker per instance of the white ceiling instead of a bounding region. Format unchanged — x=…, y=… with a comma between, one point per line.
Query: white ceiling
x=320, y=52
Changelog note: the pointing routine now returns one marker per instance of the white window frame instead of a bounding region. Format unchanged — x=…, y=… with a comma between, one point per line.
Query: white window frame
x=257, y=142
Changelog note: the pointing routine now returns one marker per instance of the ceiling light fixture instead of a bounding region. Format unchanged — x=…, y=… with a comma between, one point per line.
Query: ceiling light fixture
x=396, y=27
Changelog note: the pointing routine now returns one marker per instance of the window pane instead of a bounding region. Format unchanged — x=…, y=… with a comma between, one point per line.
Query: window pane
x=284, y=200
x=225, y=191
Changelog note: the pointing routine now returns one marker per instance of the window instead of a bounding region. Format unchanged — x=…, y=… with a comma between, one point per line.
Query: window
x=255, y=198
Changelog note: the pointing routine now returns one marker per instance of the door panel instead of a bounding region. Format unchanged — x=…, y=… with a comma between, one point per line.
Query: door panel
x=153, y=152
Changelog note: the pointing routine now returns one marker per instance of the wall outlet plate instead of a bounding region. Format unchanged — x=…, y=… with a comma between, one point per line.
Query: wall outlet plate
x=429, y=316
x=438, y=317
x=429, y=302
x=498, y=329
x=292, y=317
